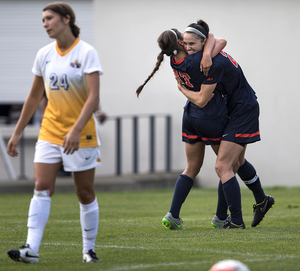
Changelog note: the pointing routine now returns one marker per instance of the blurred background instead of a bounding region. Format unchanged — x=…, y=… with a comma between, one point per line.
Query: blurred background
x=263, y=36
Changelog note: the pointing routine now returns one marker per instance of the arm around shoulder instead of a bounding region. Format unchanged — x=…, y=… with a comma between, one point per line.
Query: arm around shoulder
x=219, y=46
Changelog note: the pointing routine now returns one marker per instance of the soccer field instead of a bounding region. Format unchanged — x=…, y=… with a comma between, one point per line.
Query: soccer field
x=131, y=236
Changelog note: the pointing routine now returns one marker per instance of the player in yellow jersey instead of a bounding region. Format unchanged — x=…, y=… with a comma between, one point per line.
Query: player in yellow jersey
x=68, y=69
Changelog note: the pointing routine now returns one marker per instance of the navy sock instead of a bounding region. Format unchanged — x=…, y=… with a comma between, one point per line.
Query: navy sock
x=183, y=187
x=233, y=197
x=222, y=204
x=249, y=176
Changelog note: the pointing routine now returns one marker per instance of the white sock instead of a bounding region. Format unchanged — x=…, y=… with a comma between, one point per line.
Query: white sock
x=89, y=218
x=38, y=215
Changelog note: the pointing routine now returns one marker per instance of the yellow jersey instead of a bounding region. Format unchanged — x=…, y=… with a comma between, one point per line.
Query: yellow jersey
x=65, y=86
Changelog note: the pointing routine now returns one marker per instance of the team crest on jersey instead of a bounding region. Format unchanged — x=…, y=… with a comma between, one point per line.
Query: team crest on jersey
x=75, y=64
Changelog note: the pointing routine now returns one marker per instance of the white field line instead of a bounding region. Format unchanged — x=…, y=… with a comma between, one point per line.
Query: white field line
x=211, y=251
x=150, y=219
x=208, y=251
x=147, y=266
x=159, y=218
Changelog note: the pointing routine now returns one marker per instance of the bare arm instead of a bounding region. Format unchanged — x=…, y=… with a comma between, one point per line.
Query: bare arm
x=72, y=138
x=31, y=104
x=206, y=61
x=212, y=47
x=219, y=46
x=199, y=98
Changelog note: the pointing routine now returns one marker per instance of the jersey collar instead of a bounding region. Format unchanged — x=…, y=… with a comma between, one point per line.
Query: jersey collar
x=177, y=62
x=66, y=52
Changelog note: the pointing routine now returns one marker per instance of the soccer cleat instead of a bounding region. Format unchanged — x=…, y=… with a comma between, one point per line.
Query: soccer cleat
x=230, y=225
x=172, y=223
x=24, y=254
x=90, y=257
x=261, y=209
x=216, y=222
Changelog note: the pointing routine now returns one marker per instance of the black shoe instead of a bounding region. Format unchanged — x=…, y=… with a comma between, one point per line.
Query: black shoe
x=90, y=257
x=230, y=225
x=24, y=254
x=261, y=209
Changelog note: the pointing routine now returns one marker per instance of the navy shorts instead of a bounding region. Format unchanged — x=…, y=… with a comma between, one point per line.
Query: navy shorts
x=207, y=130
x=243, y=128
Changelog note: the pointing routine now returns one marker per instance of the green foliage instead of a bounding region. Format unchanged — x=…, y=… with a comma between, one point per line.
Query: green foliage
x=131, y=236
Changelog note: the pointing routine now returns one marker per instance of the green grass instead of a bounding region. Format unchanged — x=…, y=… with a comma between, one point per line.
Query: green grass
x=131, y=236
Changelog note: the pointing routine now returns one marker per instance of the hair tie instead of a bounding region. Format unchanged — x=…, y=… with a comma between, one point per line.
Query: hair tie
x=174, y=33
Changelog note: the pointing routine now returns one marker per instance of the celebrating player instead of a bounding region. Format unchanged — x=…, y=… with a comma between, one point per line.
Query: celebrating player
x=195, y=116
x=200, y=126
x=226, y=77
x=68, y=69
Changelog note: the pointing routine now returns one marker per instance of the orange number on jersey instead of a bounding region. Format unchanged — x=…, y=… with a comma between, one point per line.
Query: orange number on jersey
x=184, y=78
x=230, y=58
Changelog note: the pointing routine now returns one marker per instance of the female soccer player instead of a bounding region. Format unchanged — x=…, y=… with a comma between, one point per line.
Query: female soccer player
x=68, y=69
x=200, y=125
x=226, y=77
x=187, y=68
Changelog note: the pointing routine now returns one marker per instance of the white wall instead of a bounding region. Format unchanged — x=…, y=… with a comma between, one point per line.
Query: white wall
x=22, y=35
x=263, y=36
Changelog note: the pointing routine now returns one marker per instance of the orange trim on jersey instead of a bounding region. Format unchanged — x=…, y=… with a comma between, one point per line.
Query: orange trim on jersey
x=66, y=52
x=178, y=62
x=247, y=135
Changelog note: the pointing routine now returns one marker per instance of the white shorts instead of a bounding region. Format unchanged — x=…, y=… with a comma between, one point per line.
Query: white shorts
x=81, y=160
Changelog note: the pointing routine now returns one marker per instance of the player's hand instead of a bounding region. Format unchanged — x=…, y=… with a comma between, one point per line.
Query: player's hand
x=205, y=65
x=180, y=86
x=211, y=96
x=101, y=116
x=71, y=142
x=12, y=145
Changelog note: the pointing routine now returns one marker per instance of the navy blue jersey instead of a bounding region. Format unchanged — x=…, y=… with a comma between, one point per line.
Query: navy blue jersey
x=188, y=70
x=231, y=82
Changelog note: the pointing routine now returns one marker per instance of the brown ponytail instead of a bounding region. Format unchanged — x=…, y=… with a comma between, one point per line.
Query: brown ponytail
x=168, y=43
x=160, y=59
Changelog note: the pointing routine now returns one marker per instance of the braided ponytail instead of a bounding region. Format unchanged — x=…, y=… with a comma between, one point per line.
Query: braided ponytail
x=160, y=59
x=168, y=43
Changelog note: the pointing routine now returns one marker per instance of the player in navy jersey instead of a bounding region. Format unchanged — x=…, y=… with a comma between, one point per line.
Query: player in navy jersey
x=171, y=46
x=200, y=126
x=226, y=76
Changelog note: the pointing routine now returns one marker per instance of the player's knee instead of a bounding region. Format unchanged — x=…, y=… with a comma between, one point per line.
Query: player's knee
x=85, y=196
x=217, y=168
x=220, y=169
x=192, y=172
x=41, y=185
x=236, y=166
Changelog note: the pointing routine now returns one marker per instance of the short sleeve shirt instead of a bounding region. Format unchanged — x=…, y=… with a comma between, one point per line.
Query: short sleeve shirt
x=64, y=79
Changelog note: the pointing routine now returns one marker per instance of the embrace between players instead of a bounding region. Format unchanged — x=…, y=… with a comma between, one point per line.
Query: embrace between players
x=221, y=111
